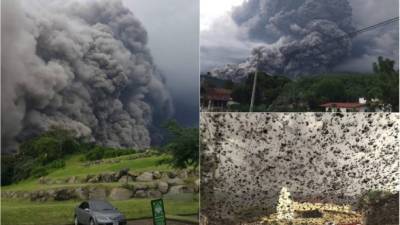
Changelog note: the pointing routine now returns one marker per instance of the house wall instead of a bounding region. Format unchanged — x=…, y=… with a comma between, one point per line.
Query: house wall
x=334, y=156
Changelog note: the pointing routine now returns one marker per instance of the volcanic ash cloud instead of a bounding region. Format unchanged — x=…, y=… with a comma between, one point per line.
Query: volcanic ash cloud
x=296, y=35
x=83, y=66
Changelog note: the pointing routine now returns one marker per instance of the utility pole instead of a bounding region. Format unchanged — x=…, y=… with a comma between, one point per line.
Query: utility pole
x=254, y=91
x=257, y=53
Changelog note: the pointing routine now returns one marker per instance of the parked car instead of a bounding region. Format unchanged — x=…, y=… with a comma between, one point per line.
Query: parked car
x=98, y=212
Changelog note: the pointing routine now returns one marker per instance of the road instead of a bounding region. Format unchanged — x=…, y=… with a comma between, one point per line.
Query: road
x=150, y=222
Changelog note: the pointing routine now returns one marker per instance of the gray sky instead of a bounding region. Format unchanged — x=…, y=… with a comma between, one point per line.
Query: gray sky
x=222, y=41
x=173, y=30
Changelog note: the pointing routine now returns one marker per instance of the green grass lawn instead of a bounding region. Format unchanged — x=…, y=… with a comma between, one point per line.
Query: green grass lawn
x=74, y=167
x=25, y=212
x=18, y=212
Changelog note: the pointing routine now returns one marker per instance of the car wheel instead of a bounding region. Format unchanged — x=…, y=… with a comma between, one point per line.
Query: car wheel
x=76, y=221
x=92, y=222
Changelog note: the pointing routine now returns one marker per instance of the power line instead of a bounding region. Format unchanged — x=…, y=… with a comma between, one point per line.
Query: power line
x=352, y=34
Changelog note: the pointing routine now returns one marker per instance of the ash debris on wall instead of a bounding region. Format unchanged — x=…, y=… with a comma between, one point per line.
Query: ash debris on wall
x=317, y=156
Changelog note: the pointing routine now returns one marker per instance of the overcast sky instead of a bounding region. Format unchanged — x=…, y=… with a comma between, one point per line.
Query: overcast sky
x=222, y=41
x=173, y=30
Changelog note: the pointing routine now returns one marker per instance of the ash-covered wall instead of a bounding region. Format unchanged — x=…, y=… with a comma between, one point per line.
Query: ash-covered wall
x=247, y=158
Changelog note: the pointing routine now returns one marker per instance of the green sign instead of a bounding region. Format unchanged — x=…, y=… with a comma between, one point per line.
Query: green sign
x=157, y=206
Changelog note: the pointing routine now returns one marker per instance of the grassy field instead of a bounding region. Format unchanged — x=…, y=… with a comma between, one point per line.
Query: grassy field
x=25, y=212
x=19, y=212
x=74, y=167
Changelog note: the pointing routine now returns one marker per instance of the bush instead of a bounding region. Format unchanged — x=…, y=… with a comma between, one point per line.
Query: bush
x=38, y=155
x=183, y=145
x=57, y=164
x=7, y=169
x=99, y=152
x=39, y=171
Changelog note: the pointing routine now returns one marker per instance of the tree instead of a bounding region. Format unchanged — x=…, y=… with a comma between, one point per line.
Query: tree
x=7, y=169
x=183, y=145
x=39, y=154
x=389, y=81
x=229, y=85
x=285, y=205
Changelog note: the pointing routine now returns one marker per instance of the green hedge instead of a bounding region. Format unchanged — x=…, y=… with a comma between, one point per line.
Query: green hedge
x=99, y=152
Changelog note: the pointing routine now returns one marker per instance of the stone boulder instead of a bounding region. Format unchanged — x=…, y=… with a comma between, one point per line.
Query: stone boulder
x=175, y=181
x=156, y=175
x=180, y=189
x=163, y=187
x=82, y=193
x=183, y=174
x=133, y=174
x=39, y=196
x=197, y=185
x=141, y=186
x=120, y=194
x=172, y=174
x=154, y=194
x=89, y=178
x=164, y=176
x=72, y=180
x=123, y=172
x=125, y=179
x=64, y=194
x=141, y=194
x=145, y=177
x=107, y=177
x=93, y=180
x=97, y=193
x=43, y=180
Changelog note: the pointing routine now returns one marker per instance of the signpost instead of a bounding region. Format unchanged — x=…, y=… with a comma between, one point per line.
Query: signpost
x=157, y=207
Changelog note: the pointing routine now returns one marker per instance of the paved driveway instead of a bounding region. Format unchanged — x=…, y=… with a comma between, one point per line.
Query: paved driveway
x=150, y=222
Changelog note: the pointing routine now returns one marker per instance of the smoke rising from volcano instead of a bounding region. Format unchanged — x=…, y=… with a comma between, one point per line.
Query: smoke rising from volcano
x=83, y=66
x=296, y=35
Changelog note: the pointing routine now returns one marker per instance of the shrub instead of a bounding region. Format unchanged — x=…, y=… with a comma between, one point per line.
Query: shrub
x=57, y=164
x=99, y=152
x=39, y=171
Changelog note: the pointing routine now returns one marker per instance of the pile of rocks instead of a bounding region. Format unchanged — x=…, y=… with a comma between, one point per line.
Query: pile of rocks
x=123, y=176
x=133, y=185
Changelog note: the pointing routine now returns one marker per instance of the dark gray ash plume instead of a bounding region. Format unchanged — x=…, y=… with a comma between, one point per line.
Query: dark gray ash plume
x=297, y=34
x=83, y=66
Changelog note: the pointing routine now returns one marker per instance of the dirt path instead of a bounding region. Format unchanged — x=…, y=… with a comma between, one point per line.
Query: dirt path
x=150, y=222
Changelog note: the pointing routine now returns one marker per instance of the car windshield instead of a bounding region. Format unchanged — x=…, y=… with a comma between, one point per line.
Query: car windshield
x=100, y=205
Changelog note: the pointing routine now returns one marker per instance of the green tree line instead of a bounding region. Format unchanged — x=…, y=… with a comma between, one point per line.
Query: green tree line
x=278, y=93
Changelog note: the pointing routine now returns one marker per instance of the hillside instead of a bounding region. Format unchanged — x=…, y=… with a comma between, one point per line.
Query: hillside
x=129, y=182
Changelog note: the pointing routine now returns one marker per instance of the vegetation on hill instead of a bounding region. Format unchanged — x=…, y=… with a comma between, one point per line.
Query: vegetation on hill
x=183, y=145
x=40, y=155
x=100, y=152
x=307, y=93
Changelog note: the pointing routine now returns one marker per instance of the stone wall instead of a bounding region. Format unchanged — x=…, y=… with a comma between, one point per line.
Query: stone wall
x=318, y=156
x=148, y=184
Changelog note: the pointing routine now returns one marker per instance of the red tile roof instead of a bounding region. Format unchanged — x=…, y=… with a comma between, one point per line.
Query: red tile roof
x=219, y=94
x=346, y=105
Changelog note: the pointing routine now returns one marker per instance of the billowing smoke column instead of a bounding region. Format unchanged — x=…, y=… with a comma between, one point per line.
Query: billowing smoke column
x=298, y=36
x=82, y=66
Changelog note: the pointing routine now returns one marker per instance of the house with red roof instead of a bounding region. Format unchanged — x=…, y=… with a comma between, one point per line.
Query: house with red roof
x=216, y=99
x=360, y=106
